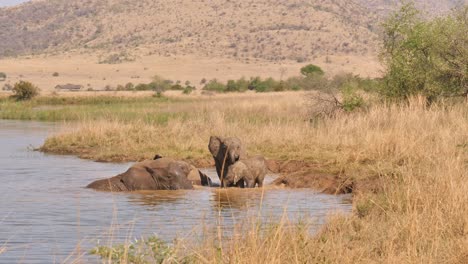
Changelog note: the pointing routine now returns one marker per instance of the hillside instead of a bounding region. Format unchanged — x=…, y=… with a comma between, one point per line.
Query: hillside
x=272, y=30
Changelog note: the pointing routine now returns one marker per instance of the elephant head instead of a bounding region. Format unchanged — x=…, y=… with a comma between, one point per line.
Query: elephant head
x=225, y=151
x=235, y=173
x=250, y=171
x=160, y=174
x=178, y=172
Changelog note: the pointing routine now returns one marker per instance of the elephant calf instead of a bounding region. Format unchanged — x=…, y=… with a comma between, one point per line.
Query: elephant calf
x=159, y=174
x=252, y=171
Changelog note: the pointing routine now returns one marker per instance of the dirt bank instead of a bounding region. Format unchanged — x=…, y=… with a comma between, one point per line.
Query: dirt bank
x=302, y=174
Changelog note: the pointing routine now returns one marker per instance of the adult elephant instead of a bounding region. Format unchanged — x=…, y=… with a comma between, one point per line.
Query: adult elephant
x=252, y=171
x=158, y=174
x=226, y=151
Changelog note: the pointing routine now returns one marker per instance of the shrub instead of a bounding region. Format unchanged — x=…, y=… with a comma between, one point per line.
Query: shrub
x=188, y=89
x=55, y=74
x=2, y=76
x=177, y=87
x=25, y=90
x=160, y=84
x=240, y=85
x=425, y=57
x=142, y=87
x=129, y=86
x=340, y=94
x=311, y=69
x=215, y=86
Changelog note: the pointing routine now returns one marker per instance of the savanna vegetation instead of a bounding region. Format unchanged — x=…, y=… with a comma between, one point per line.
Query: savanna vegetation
x=24, y=90
x=401, y=141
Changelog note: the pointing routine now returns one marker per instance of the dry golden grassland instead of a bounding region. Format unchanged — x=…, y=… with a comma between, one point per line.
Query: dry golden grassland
x=414, y=210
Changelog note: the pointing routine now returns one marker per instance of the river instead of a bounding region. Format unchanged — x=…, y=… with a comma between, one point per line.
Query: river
x=47, y=216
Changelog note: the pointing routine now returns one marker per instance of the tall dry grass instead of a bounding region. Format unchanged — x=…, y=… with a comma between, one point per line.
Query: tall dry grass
x=419, y=157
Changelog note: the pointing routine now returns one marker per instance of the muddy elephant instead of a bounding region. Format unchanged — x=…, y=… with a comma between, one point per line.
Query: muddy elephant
x=252, y=171
x=226, y=151
x=159, y=174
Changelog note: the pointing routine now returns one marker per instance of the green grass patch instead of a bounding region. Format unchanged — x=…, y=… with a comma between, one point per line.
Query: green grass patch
x=147, y=109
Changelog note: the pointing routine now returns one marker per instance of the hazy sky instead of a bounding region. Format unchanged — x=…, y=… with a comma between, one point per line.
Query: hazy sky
x=11, y=2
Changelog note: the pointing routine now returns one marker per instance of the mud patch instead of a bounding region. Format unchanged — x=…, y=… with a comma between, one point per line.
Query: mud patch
x=325, y=183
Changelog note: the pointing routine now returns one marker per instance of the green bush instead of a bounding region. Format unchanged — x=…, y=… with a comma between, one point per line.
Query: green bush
x=25, y=90
x=2, y=76
x=177, y=87
x=129, y=87
x=188, y=89
x=311, y=69
x=425, y=57
x=240, y=85
x=215, y=86
x=142, y=87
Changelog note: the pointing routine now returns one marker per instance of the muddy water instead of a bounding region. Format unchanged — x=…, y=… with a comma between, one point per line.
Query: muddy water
x=46, y=216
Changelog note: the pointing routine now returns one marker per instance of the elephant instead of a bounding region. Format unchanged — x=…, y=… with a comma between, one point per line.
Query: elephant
x=159, y=174
x=252, y=171
x=226, y=151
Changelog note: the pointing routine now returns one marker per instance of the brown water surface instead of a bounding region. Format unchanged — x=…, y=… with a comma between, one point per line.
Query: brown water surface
x=46, y=215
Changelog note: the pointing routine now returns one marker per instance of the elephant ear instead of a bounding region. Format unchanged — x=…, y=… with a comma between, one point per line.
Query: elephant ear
x=215, y=145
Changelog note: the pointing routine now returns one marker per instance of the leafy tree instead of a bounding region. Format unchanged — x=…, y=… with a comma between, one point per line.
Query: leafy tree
x=160, y=84
x=311, y=69
x=425, y=57
x=188, y=89
x=25, y=90
x=129, y=86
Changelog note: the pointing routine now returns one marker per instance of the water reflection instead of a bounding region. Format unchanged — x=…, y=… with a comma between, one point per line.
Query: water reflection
x=237, y=198
x=152, y=199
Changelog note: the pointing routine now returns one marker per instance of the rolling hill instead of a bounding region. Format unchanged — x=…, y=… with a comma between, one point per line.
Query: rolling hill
x=190, y=39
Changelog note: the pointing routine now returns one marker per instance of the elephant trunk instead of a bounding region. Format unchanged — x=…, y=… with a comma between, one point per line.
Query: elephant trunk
x=233, y=157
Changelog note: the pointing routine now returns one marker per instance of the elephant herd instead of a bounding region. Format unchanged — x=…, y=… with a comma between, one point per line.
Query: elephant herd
x=234, y=169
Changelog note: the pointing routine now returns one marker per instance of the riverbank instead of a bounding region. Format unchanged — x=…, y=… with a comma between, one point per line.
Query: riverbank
x=410, y=163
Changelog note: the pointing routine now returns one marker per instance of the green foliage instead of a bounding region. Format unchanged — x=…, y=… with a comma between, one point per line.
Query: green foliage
x=240, y=85
x=142, y=87
x=151, y=250
x=422, y=57
x=343, y=93
x=177, y=87
x=311, y=69
x=188, y=89
x=25, y=91
x=215, y=86
x=129, y=86
x=2, y=76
